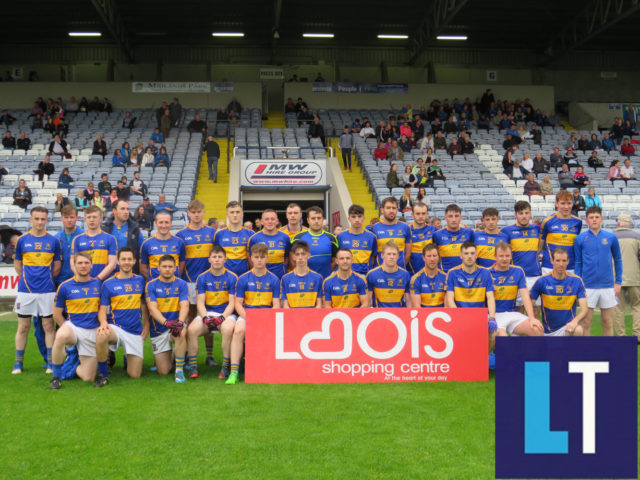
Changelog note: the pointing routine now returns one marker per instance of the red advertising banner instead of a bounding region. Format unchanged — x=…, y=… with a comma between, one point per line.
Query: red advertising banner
x=366, y=345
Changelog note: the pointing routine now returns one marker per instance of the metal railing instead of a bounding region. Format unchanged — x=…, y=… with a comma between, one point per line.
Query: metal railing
x=282, y=149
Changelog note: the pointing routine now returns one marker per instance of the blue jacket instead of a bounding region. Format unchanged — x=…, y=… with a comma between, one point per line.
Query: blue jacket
x=592, y=202
x=593, y=259
x=65, y=271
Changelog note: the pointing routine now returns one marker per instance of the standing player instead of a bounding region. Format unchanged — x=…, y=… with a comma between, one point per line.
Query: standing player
x=128, y=325
x=561, y=292
x=294, y=221
x=258, y=288
x=124, y=229
x=37, y=262
x=322, y=244
x=524, y=238
x=345, y=288
x=421, y=235
x=361, y=242
x=302, y=287
x=277, y=242
x=161, y=244
x=70, y=230
x=198, y=240
x=168, y=302
x=487, y=239
x=428, y=285
x=559, y=230
x=216, y=291
x=389, y=284
x=80, y=298
x=471, y=286
x=595, y=249
x=450, y=239
x=100, y=245
x=234, y=239
x=509, y=281
x=389, y=229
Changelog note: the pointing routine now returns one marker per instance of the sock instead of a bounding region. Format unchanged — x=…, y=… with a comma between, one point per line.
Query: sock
x=226, y=362
x=103, y=369
x=193, y=361
x=48, y=356
x=235, y=367
x=179, y=363
x=19, y=356
x=57, y=370
x=209, y=351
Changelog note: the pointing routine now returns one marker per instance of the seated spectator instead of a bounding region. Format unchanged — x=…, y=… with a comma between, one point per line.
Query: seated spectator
x=516, y=171
x=141, y=218
x=3, y=172
x=89, y=191
x=9, y=142
x=22, y=195
x=418, y=128
x=570, y=158
x=104, y=187
x=6, y=118
x=467, y=145
x=584, y=144
x=626, y=171
x=162, y=159
x=450, y=126
x=535, y=135
x=546, y=187
x=392, y=177
x=406, y=202
x=608, y=143
x=405, y=177
x=304, y=116
x=134, y=161
x=394, y=152
x=484, y=123
x=405, y=144
x=128, y=121
x=197, y=125
x=98, y=201
x=595, y=144
x=222, y=115
x=84, y=105
x=99, y=147
x=591, y=199
x=617, y=130
x=418, y=166
x=565, y=178
x=531, y=187
x=122, y=190
x=126, y=151
x=439, y=142
x=435, y=172
x=527, y=162
x=60, y=127
x=234, y=105
x=94, y=105
x=290, y=107
x=49, y=126
x=9, y=253
x=556, y=159
x=523, y=133
x=626, y=148
x=572, y=142
x=164, y=206
x=81, y=202
x=65, y=180
x=422, y=197
x=37, y=123
x=106, y=106
x=424, y=180
x=45, y=167
x=580, y=179
x=157, y=137
x=72, y=105
x=367, y=131
x=176, y=113
x=36, y=110
x=426, y=142
x=436, y=126
x=629, y=129
x=578, y=202
x=153, y=147
x=149, y=209
x=319, y=78
x=234, y=117
x=540, y=165
x=614, y=171
x=61, y=202
x=454, y=148
x=23, y=143
x=112, y=198
x=316, y=130
x=137, y=186
x=118, y=160
x=148, y=159
x=594, y=162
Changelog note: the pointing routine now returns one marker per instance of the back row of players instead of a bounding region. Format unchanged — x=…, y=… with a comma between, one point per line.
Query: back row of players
x=206, y=279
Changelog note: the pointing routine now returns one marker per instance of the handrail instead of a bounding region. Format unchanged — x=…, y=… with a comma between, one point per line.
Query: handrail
x=260, y=147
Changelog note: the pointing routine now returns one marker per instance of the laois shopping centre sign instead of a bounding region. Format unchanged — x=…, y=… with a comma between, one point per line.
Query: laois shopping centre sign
x=366, y=345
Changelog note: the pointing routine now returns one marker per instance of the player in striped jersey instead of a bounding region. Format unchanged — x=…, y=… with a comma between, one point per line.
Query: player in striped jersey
x=389, y=229
x=389, y=284
x=235, y=239
x=421, y=235
x=487, y=239
x=345, y=288
x=428, y=285
x=128, y=325
x=80, y=298
x=302, y=287
x=294, y=221
x=559, y=230
x=450, y=238
x=161, y=244
x=360, y=241
x=277, y=242
x=100, y=245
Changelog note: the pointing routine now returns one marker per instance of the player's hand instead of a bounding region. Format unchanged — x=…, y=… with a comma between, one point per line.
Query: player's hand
x=213, y=321
x=617, y=288
x=175, y=326
x=145, y=332
x=535, y=324
x=571, y=327
x=103, y=329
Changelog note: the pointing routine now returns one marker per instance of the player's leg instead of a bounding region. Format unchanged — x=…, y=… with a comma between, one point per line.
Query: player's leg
x=103, y=340
x=161, y=345
x=226, y=332
x=87, y=353
x=586, y=322
x=88, y=368
x=237, y=349
x=49, y=334
x=526, y=329
x=163, y=362
x=64, y=336
x=134, y=366
x=22, y=333
x=196, y=329
x=208, y=343
x=577, y=332
x=516, y=323
x=606, y=315
x=179, y=350
x=618, y=313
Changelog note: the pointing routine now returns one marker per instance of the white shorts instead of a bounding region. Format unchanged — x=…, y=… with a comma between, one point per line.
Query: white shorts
x=161, y=343
x=530, y=281
x=546, y=270
x=557, y=333
x=510, y=320
x=131, y=343
x=233, y=317
x=34, y=304
x=85, y=339
x=601, y=297
x=193, y=296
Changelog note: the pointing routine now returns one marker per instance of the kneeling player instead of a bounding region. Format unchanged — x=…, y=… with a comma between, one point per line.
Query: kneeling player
x=80, y=297
x=215, y=297
x=428, y=285
x=302, y=287
x=129, y=323
x=345, y=288
x=509, y=281
x=168, y=302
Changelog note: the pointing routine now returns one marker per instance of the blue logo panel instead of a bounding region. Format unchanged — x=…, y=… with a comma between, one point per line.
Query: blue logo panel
x=567, y=407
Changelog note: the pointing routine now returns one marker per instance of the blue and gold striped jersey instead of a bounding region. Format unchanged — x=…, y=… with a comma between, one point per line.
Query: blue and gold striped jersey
x=363, y=247
x=559, y=299
x=167, y=295
x=291, y=234
x=197, y=244
x=419, y=237
x=559, y=232
x=125, y=296
x=398, y=232
x=37, y=255
x=469, y=289
x=235, y=244
x=81, y=300
x=301, y=291
x=258, y=291
x=278, y=245
x=99, y=246
x=524, y=246
x=153, y=248
x=449, y=244
x=322, y=248
x=486, y=247
x=216, y=289
x=344, y=293
x=388, y=288
x=430, y=289
x=506, y=284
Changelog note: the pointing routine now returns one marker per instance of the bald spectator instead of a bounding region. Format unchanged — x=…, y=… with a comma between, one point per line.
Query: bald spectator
x=9, y=142
x=197, y=125
x=316, y=130
x=234, y=105
x=99, y=147
x=630, y=248
x=531, y=187
x=23, y=143
x=164, y=206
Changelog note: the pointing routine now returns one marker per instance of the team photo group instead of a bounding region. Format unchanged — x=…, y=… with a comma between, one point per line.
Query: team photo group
x=102, y=291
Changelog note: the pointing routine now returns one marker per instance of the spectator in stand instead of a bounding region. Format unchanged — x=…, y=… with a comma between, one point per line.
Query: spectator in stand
x=454, y=148
x=137, y=186
x=99, y=147
x=380, y=153
x=81, y=202
x=594, y=162
x=316, y=130
x=424, y=180
x=122, y=190
x=395, y=153
x=197, y=125
x=626, y=148
x=407, y=178
x=405, y=144
x=157, y=137
x=176, y=112
x=516, y=172
x=149, y=209
x=595, y=144
x=614, y=171
x=300, y=105
x=553, y=120
x=629, y=129
x=367, y=131
x=392, y=177
x=422, y=196
x=439, y=142
x=164, y=206
x=356, y=126
x=9, y=253
x=572, y=142
x=580, y=179
x=607, y=143
x=531, y=187
x=213, y=154
x=435, y=172
x=104, y=187
x=234, y=105
x=540, y=165
x=37, y=123
x=626, y=171
x=617, y=130
x=535, y=135
x=346, y=145
x=36, y=110
x=165, y=125
x=153, y=147
x=23, y=143
x=106, y=106
x=6, y=118
x=22, y=195
x=556, y=159
x=9, y=142
x=290, y=107
x=118, y=160
x=591, y=199
x=527, y=162
x=426, y=143
x=160, y=112
x=128, y=121
x=406, y=202
x=112, y=198
x=3, y=172
x=89, y=191
x=222, y=115
x=148, y=159
x=584, y=144
x=65, y=180
x=60, y=127
x=570, y=158
x=49, y=126
x=578, y=203
x=134, y=161
x=418, y=128
x=162, y=159
x=45, y=167
x=84, y=105
x=508, y=159
x=98, y=201
x=467, y=145
x=304, y=116
x=61, y=202
x=405, y=129
x=94, y=105
x=630, y=115
x=546, y=187
x=142, y=219
x=565, y=178
x=234, y=118
x=126, y=151
x=450, y=126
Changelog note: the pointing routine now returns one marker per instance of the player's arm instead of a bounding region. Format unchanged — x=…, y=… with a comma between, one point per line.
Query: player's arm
x=155, y=313
x=144, y=271
x=231, y=306
x=365, y=302
x=407, y=300
x=407, y=252
x=57, y=315
x=181, y=267
x=109, y=267
x=17, y=264
x=57, y=266
x=319, y=301
x=144, y=262
x=276, y=303
x=582, y=313
x=491, y=304
x=200, y=305
x=145, y=321
x=577, y=255
x=450, y=301
x=239, y=307
x=102, y=318
x=415, y=299
x=184, y=311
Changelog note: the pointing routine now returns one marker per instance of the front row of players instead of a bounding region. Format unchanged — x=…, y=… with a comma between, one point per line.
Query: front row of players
x=161, y=309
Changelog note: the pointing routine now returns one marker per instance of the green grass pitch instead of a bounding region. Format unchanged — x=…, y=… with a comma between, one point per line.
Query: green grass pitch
x=151, y=428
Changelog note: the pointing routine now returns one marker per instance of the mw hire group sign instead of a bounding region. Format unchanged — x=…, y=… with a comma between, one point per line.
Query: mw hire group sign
x=366, y=345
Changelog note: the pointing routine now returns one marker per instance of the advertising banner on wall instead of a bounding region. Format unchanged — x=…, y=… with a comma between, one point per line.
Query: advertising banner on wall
x=171, y=87
x=8, y=281
x=366, y=345
x=352, y=87
x=283, y=172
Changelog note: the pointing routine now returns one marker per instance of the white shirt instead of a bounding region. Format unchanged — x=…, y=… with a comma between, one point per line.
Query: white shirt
x=367, y=131
x=626, y=172
x=527, y=164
